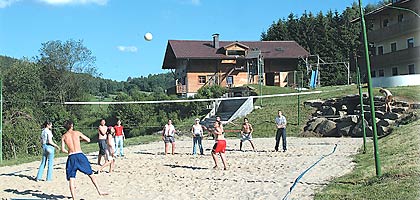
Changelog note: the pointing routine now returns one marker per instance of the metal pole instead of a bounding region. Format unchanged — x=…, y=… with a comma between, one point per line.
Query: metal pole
x=362, y=110
x=318, y=72
x=247, y=72
x=260, y=72
x=1, y=120
x=298, y=98
x=370, y=90
x=348, y=73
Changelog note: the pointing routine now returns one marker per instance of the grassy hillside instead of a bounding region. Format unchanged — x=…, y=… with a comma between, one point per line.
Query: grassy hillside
x=400, y=164
x=263, y=119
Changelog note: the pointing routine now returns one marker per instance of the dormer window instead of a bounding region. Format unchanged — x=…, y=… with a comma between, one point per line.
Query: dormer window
x=235, y=49
x=235, y=52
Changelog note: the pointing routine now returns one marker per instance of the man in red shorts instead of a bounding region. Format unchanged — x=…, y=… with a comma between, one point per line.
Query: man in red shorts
x=219, y=146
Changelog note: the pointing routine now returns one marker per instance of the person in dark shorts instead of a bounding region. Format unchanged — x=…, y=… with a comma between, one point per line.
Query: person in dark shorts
x=102, y=130
x=246, y=134
x=168, y=136
x=76, y=161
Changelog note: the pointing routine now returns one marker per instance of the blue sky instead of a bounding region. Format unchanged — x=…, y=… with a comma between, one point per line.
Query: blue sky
x=113, y=29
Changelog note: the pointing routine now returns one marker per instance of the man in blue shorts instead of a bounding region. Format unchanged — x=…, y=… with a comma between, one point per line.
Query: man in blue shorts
x=76, y=159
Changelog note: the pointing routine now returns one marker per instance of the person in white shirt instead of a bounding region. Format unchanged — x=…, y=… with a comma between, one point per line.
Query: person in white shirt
x=281, y=131
x=197, y=133
x=168, y=136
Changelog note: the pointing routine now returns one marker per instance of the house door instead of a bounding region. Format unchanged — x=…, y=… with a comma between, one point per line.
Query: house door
x=269, y=79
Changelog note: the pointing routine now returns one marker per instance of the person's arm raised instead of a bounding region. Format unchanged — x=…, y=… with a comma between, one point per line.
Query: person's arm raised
x=84, y=137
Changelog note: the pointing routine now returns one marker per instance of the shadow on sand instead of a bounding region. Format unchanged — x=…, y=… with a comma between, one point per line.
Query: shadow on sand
x=36, y=193
x=187, y=167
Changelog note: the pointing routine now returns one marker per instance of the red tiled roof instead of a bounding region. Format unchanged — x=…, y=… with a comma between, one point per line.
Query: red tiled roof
x=193, y=49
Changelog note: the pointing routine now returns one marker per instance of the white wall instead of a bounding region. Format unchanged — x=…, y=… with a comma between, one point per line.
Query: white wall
x=393, y=81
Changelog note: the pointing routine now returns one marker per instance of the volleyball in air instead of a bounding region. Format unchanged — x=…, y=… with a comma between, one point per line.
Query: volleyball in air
x=148, y=36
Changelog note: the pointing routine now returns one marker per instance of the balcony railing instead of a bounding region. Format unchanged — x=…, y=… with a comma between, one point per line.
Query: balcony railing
x=393, y=58
x=393, y=30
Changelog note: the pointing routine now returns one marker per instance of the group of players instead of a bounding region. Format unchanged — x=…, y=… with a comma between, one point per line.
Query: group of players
x=77, y=161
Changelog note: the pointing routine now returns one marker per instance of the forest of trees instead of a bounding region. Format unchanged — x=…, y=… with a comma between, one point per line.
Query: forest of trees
x=332, y=36
x=34, y=88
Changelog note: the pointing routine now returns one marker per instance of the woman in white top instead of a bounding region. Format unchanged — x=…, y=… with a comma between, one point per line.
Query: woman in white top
x=197, y=133
x=109, y=152
x=168, y=136
x=47, y=151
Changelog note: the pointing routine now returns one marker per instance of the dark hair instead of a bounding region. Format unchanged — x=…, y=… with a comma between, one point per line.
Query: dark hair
x=68, y=124
x=246, y=119
x=46, y=123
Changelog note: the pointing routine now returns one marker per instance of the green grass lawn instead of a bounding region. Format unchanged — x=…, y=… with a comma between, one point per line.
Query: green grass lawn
x=400, y=164
x=263, y=119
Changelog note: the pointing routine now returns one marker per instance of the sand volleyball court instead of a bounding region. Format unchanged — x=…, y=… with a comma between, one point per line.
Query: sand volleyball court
x=145, y=173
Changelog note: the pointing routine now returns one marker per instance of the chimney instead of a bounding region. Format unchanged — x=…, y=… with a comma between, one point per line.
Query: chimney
x=216, y=40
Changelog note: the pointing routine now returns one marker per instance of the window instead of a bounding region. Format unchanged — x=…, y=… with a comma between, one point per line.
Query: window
x=235, y=52
x=380, y=50
x=372, y=49
x=381, y=73
x=411, y=69
x=410, y=42
x=373, y=73
x=229, y=80
x=201, y=79
x=400, y=17
x=393, y=47
x=394, y=71
x=385, y=23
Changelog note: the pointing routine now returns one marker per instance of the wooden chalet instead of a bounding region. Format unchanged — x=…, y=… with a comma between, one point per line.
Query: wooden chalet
x=230, y=63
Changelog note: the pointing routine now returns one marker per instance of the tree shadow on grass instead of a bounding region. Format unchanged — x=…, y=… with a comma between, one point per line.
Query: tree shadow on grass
x=35, y=193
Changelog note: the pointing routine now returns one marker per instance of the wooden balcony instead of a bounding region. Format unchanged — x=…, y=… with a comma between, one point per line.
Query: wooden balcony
x=181, y=89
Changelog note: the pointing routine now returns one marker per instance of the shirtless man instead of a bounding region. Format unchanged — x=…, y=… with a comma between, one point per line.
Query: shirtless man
x=76, y=159
x=102, y=129
x=219, y=146
x=246, y=134
x=388, y=99
x=218, y=119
